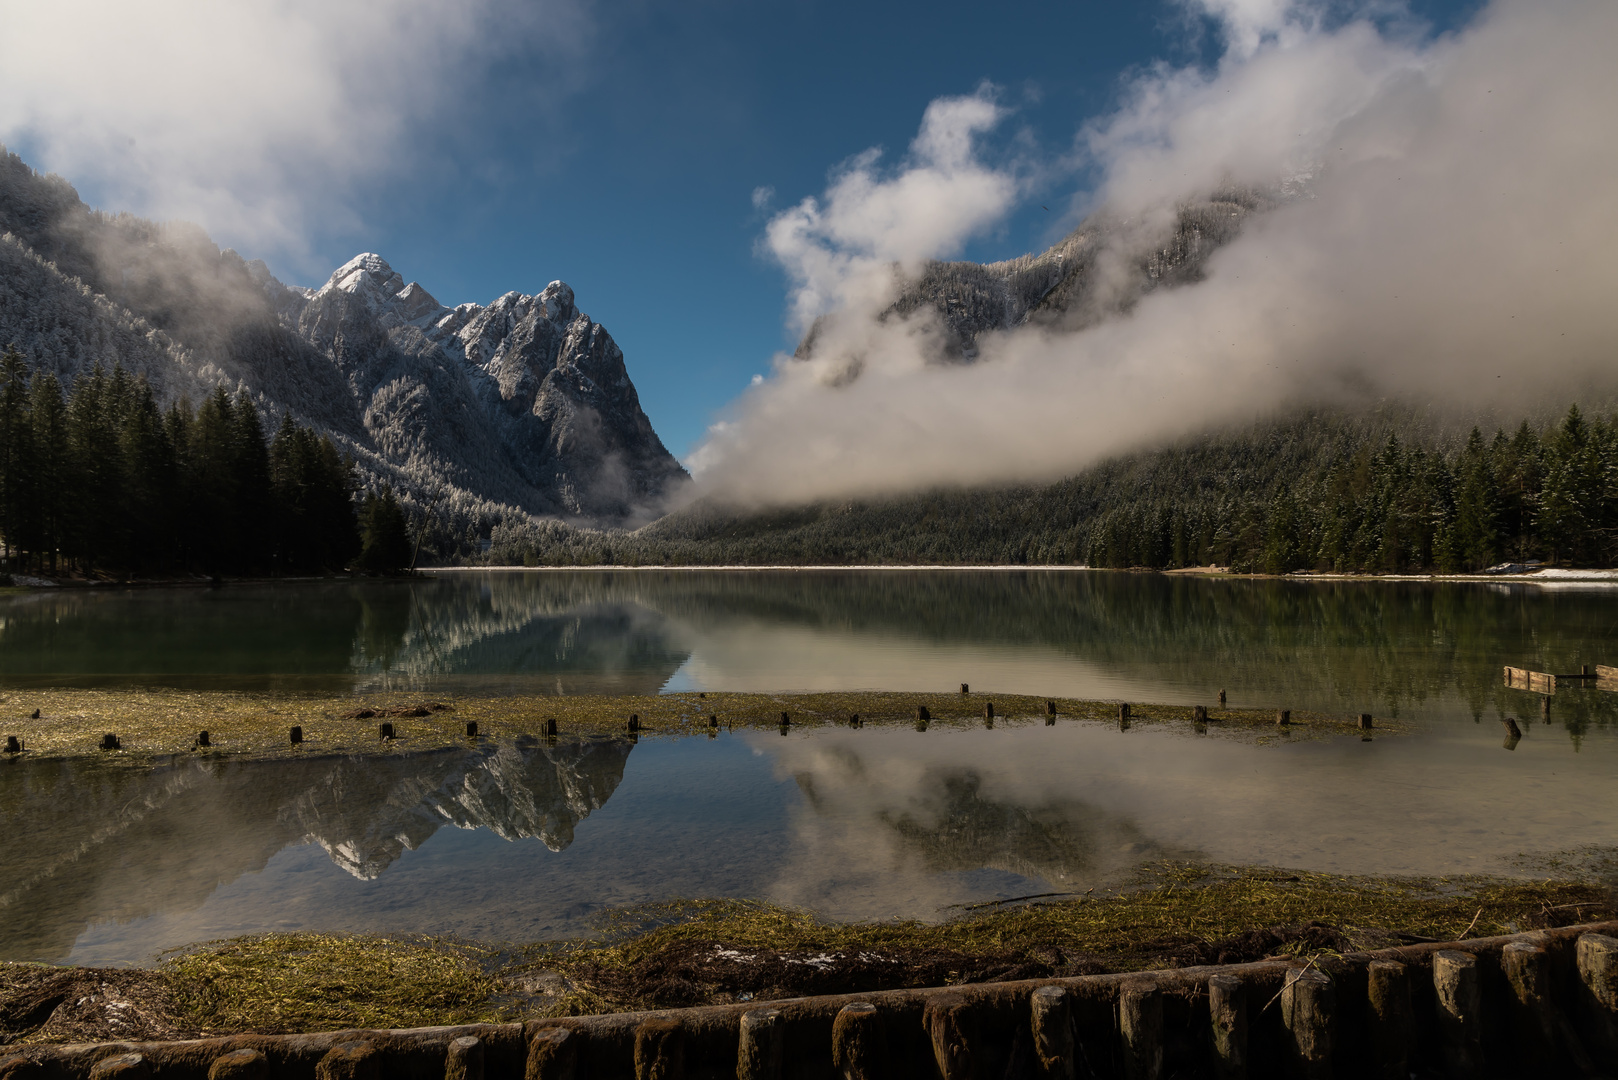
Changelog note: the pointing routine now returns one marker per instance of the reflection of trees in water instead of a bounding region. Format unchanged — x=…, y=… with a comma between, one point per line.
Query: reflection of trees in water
x=88, y=843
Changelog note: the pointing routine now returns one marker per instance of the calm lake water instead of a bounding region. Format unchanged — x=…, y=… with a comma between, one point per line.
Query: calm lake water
x=529, y=840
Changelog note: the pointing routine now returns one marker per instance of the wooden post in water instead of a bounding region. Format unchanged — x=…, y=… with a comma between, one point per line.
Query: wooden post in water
x=859, y=1043
x=634, y=721
x=1123, y=714
x=922, y=714
x=1527, y=970
x=1460, y=1010
x=385, y=730
x=1052, y=1017
x=1545, y=709
x=553, y=1054
x=1511, y=726
x=988, y=713
x=13, y=744
x=965, y=689
x=1308, y=1008
x=786, y=720
x=660, y=1050
x=1389, y=1020
x=203, y=739
x=1199, y=714
x=1050, y=708
x=296, y=735
x=471, y=729
x=1221, y=699
x=1227, y=1012
x=948, y=1023
x=1366, y=723
x=713, y=720
x=464, y=1059
x=1283, y=717
x=109, y=741
x=1140, y=1029
x=550, y=726
x=759, y=1051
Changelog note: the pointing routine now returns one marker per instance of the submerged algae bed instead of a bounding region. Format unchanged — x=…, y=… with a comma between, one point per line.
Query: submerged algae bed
x=161, y=722
x=699, y=952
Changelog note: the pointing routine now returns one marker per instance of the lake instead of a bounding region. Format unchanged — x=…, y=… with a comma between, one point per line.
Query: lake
x=528, y=839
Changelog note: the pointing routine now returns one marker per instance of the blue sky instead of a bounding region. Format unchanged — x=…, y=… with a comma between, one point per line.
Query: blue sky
x=614, y=145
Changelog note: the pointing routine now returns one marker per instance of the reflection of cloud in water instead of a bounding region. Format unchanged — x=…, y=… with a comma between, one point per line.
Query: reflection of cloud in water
x=911, y=823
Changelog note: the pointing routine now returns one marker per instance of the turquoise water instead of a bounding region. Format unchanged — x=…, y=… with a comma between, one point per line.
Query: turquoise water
x=529, y=840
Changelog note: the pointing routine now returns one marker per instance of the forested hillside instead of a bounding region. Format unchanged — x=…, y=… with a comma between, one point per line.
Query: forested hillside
x=1377, y=492
x=98, y=479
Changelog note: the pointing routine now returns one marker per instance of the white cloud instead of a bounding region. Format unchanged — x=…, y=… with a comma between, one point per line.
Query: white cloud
x=1454, y=247
x=257, y=120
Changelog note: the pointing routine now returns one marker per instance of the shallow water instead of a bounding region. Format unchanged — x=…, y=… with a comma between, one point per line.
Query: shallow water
x=526, y=841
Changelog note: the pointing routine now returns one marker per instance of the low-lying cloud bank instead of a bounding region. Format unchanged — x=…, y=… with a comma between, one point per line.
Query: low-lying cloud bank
x=1453, y=244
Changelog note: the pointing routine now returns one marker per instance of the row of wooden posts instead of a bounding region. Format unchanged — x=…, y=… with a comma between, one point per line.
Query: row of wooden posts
x=1538, y=1004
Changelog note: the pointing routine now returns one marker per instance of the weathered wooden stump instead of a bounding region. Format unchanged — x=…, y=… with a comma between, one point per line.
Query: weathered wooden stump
x=463, y=1060
x=1597, y=959
x=1123, y=714
x=550, y=726
x=859, y=1043
x=553, y=1054
x=855, y=721
x=13, y=744
x=1050, y=708
x=786, y=719
x=1511, y=726
x=1140, y=1030
x=761, y=1048
x=947, y=1019
x=384, y=730
x=713, y=720
x=296, y=735
x=1308, y=1008
x=634, y=721
x=1366, y=723
x=1227, y=1013
x=988, y=710
x=121, y=1067
x=660, y=1050
x=1199, y=714
x=349, y=1061
x=921, y=725
x=240, y=1065
x=1545, y=709
x=471, y=729
x=1283, y=717
x=1459, y=989
x=1390, y=1022
x=34, y=715
x=1051, y=1015
x=1527, y=970
x=1221, y=699
x=922, y=713
x=965, y=689
x=109, y=741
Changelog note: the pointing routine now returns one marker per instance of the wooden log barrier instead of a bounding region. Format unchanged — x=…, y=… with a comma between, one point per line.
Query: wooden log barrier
x=1308, y=1011
x=1379, y=1014
x=553, y=1054
x=243, y=1064
x=1051, y=1017
x=1389, y=1019
x=660, y=1050
x=1140, y=1030
x=1458, y=986
x=761, y=1045
x=464, y=1059
x=122, y=1067
x=859, y=1043
x=948, y=1022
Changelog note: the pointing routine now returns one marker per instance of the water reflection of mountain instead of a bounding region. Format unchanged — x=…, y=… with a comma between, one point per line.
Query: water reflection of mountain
x=87, y=843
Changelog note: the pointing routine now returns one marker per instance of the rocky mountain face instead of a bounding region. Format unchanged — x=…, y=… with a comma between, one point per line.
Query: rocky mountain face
x=1101, y=269
x=522, y=405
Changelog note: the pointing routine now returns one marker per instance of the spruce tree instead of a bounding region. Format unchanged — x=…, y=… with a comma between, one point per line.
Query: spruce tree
x=384, y=533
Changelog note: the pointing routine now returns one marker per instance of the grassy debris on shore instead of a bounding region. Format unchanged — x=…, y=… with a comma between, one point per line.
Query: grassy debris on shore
x=715, y=951
x=158, y=722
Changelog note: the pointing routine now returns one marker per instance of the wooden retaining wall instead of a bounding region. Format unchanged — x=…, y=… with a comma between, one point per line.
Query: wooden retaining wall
x=1538, y=1004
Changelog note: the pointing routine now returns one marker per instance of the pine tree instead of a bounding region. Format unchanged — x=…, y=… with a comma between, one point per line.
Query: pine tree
x=16, y=456
x=385, y=534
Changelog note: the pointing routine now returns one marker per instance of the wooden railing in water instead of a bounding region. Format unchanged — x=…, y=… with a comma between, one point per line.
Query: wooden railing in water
x=1535, y=1004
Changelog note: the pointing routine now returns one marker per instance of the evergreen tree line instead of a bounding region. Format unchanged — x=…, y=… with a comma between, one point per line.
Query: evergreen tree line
x=99, y=479
x=1320, y=491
